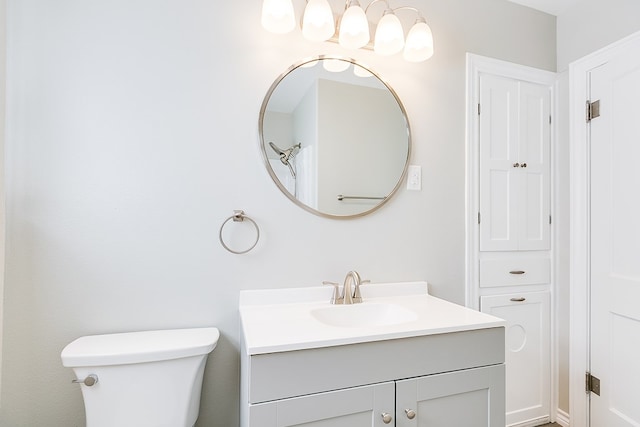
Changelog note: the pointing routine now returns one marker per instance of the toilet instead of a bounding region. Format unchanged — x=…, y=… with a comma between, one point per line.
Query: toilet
x=141, y=379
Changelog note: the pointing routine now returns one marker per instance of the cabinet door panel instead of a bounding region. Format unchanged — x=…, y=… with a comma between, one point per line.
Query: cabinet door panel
x=498, y=153
x=469, y=398
x=526, y=352
x=534, y=149
x=354, y=407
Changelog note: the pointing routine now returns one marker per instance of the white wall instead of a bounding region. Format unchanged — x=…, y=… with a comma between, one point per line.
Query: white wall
x=131, y=137
x=593, y=24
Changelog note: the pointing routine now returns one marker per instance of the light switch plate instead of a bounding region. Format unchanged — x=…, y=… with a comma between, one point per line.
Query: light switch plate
x=414, y=178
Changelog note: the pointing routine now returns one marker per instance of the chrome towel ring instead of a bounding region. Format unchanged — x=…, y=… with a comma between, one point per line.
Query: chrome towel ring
x=239, y=216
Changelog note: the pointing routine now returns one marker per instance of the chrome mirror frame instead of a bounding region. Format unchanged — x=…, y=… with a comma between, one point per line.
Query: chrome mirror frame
x=263, y=143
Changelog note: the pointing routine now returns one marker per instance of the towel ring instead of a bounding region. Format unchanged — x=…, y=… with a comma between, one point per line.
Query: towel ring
x=239, y=216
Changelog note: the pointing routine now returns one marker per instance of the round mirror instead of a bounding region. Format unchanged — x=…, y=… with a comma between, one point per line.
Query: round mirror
x=335, y=137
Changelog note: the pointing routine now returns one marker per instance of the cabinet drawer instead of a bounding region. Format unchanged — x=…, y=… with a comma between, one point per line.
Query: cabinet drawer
x=517, y=271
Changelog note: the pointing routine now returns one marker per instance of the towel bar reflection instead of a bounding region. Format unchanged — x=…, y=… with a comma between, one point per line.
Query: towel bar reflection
x=341, y=197
x=239, y=216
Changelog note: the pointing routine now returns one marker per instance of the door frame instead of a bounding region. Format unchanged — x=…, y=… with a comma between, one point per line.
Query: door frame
x=579, y=225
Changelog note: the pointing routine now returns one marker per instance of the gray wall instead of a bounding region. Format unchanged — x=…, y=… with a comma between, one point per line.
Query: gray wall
x=593, y=24
x=131, y=137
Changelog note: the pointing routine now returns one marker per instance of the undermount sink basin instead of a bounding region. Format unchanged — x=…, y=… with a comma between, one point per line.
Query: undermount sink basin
x=364, y=314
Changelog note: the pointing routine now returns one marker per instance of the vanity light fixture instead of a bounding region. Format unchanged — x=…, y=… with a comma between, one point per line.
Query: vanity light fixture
x=352, y=29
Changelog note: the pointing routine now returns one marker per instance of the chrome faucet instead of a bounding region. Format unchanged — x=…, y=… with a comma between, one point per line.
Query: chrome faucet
x=350, y=289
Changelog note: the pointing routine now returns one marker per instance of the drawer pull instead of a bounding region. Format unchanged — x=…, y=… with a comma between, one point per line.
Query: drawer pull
x=521, y=299
x=516, y=272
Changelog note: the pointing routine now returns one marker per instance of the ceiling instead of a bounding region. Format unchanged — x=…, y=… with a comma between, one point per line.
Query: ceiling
x=553, y=7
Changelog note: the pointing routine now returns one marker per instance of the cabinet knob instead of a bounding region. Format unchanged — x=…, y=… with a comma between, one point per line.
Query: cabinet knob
x=516, y=165
x=386, y=418
x=524, y=165
x=411, y=414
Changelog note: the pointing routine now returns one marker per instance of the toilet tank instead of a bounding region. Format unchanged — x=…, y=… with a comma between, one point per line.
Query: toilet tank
x=145, y=379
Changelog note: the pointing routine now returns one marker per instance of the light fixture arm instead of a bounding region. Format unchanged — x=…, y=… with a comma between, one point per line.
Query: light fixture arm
x=420, y=16
x=377, y=1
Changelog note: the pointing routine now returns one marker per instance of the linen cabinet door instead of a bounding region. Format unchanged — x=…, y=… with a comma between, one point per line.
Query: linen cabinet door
x=527, y=354
x=467, y=398
x=499, y=164
x=367, y=406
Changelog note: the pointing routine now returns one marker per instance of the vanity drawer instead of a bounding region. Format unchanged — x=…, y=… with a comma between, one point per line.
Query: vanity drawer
x=274, y=376
x=515, y=271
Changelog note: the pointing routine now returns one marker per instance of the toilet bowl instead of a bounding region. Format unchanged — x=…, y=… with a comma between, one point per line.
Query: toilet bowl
x=141, y=379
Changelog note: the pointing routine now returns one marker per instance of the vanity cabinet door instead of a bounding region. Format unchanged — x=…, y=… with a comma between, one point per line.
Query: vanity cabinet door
x=467, y=398
x=352, y=407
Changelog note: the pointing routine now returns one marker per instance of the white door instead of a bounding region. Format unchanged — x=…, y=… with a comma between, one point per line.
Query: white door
x=615, y=241
x=527, y=353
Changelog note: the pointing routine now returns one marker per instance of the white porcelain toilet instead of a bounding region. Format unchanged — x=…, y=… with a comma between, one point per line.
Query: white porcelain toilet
x=141, y=379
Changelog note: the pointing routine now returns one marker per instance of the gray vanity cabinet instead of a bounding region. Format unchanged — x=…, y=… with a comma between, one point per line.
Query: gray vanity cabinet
x=452, y=379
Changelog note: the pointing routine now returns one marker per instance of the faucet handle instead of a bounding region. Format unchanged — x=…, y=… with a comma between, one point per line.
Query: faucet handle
x=335, y=299
x=357, y=297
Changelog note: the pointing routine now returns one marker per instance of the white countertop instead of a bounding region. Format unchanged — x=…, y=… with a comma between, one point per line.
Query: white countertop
x=280, y=320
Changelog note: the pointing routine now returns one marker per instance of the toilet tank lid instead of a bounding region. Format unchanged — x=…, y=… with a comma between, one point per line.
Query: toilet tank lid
x=139, y=347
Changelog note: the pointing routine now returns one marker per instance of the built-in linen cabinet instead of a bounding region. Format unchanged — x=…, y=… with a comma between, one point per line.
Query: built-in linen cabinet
x=510, y=223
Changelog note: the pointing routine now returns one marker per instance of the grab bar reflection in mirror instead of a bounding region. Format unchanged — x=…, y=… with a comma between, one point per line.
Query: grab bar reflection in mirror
x=341, y=197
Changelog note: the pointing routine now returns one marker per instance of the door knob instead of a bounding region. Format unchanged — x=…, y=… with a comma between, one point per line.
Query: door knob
x=411, y=414
x=386, y=418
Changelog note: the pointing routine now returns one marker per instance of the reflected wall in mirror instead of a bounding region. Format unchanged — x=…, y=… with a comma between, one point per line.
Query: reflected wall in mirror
x=335, y=138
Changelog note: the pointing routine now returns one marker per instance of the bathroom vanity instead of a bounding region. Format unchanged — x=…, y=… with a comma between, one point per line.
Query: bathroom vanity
x=400, y=358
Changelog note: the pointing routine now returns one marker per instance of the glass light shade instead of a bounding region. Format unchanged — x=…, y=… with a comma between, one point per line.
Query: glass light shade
x=354, y=28
x=278, y=16
x=419, y=45
x=317, y=22
x=361, y=71
x=389, y=35
x=335, y=65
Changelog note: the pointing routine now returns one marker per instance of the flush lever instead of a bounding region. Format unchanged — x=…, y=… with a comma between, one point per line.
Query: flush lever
x=90, y=381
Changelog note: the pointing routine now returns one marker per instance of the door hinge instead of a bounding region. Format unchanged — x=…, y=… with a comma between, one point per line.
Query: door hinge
x=549, y=219
x=478, y=217
x=592, y=384
x=593, y=110
x=549, y=118
x=478, y=109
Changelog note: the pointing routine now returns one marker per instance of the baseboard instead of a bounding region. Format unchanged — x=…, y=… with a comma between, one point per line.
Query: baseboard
x=532, y=422
x=562, y=418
